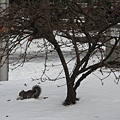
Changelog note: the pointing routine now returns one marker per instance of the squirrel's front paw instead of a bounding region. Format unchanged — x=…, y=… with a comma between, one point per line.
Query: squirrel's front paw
x=19, y=98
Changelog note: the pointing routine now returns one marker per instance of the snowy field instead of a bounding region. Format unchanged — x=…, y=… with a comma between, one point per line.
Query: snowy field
x=97, y=101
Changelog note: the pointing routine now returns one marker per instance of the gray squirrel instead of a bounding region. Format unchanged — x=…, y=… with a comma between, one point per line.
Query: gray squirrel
x=34, y=93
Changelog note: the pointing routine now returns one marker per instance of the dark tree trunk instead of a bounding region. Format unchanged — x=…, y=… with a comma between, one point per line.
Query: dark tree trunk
x=71, y=94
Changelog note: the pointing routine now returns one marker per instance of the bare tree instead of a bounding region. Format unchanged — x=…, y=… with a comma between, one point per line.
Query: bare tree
x=31, y=20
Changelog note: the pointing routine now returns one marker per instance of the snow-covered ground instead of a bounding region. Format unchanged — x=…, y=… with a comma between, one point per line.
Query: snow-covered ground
x=97, y=101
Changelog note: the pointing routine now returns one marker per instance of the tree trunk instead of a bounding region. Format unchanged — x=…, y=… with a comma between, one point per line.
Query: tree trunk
x=71, y=94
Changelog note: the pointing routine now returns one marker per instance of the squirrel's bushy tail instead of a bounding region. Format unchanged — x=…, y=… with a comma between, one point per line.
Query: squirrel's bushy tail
x=37, y=91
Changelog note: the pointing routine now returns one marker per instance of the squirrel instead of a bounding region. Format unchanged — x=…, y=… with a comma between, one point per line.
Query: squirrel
x=34, y=93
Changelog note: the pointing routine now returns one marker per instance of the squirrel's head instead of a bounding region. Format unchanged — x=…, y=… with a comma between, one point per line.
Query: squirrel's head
x=21, y=95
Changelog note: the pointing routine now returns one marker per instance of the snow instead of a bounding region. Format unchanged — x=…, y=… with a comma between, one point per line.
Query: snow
x=97, y=101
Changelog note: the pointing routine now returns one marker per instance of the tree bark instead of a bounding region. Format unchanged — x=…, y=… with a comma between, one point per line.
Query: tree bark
x=71, y=94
